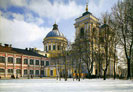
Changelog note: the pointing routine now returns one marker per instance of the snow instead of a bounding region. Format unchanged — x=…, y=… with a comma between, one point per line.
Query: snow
x=53, y=85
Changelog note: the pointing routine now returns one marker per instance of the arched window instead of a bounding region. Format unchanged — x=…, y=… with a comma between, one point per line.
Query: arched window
x=2, y=59
x=18, y=60
x=2, y=70
x=31, y=62
x=94, y=31
x=37, y=72
x=42, y=63
x=25, y=72
x=10, y=59
x=47, y=63
x=25, y=61
x=81, y=32
x=46, y=48
x=10, y=71
x=54, y=48
x=37, y=62
x=58, y=47
x=18, y=71
x=49, y=47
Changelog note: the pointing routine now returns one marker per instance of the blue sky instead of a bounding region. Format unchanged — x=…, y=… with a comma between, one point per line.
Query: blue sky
x=24, y=23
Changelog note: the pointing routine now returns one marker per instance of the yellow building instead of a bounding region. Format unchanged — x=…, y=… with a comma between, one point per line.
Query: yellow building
x=88, y=28
x=85, y=26
x=54, y=44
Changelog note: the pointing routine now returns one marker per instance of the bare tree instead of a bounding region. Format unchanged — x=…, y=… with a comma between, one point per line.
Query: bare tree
x=107, y=44
x=123, y=20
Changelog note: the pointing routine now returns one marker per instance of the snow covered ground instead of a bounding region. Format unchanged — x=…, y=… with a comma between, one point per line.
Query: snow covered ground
x=53, y=85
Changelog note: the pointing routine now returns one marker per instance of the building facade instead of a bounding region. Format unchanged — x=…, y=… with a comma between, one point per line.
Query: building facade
x=22, y=63
x=54, y=42
x=89, y=32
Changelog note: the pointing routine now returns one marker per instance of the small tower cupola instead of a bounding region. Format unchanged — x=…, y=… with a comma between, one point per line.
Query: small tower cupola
x=87, y=7
x=55, y=27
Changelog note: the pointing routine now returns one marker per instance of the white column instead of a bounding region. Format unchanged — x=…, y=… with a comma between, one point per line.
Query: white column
x=28, y=69
x=6, y=63
x=14, y=65
x=51, y=46
x=22, y=70
x=34, y=66
x=56, y=46
x=77, y=33
x=46, y=72
x=47, y=46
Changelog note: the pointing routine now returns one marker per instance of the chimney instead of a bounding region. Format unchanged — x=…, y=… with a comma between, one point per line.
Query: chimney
x=6, y=45
x=10, y=45
x=29, y=49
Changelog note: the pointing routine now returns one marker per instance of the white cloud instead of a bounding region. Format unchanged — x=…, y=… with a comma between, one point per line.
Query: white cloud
x=35, y=20
x=7, y=3
x=28, y=17
x=24, y=31
x=18, y=16
x=101, y=7
x=57, y=10
x=20, y=33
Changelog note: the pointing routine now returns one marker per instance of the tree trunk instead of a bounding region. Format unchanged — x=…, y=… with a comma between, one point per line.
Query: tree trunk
x=128, y=66
x=114, y=61
x=79, y=69
x=105, y=71
x=65, y=69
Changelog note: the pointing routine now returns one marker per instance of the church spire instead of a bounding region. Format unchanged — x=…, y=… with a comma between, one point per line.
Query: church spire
x=86, y=6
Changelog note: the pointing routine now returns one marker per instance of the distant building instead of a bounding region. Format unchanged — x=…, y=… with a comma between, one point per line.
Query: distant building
x=22, y=62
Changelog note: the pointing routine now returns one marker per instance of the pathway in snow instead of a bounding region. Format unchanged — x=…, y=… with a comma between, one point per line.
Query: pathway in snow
x=53, y=85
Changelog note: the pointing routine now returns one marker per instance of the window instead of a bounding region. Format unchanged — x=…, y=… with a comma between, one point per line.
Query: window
x=25, y=72
x=42, y=73
x=31, y=71
x=37, y=62
x=2, y=59
x=81, y=32
x=10, y=59
x=54, y=47
x=25, y=61
x=58, y=47
x=51, y=72
x=37, y=72
x=18, y=71
x=10, y=70
x=101, y=39
x=47, y=63
x=46, y=48
x=31, y=62
x=18, y=60
x=45, y=55
x=42, y=62
x=2, y=70
x=49, y=47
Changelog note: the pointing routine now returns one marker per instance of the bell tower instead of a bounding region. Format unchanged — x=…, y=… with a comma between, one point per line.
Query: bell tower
x=87, y=26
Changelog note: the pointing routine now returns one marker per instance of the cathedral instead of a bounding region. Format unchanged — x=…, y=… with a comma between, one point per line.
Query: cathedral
x=31, y=62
